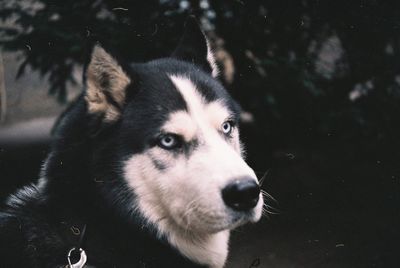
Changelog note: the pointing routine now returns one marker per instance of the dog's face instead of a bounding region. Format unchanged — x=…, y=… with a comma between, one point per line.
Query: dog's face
x=189, y=157
x=178, y=138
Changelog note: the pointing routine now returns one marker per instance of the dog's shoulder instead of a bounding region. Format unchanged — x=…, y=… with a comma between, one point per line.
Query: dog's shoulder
x=12, y=241
x=24, y=198
x=26, y=237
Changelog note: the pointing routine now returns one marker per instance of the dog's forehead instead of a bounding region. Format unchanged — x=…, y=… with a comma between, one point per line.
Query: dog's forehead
x=168, y=94
x=158, y=75
x=157, y=98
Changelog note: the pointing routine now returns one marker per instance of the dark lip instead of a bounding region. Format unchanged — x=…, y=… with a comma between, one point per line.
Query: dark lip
x=243, y=216
x=248, y=213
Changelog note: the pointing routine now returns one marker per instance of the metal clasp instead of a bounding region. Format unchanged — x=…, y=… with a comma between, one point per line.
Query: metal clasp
x=82, y=259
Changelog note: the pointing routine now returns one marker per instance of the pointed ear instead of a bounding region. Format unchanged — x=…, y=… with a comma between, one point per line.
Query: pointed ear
x=194, y=47
x=106, y=84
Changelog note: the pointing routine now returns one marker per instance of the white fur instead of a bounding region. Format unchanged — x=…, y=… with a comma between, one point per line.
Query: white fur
x=210, y=249
x=211, y=60
x=184, y=201
x=181, y=123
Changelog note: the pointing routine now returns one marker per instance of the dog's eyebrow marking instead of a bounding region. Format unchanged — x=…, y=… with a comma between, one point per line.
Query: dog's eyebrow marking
x=181, y=123
x=194, y=100
x=217, y=113
x=202, y=113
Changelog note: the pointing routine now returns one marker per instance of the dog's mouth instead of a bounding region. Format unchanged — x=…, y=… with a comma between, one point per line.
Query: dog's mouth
x=206, y=220
x=243, y=217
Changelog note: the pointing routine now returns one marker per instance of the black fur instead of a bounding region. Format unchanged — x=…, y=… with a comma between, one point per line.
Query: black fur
x=192, y=47
x=38, y=225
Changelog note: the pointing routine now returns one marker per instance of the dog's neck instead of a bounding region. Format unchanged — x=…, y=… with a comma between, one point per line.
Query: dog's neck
x=208, y=249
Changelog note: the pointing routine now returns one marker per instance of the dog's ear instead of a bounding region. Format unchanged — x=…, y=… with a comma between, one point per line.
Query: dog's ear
x=194, y=47
x=106, y=84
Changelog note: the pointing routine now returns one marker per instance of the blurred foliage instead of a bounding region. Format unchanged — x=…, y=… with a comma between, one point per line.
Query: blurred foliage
x=305, y=69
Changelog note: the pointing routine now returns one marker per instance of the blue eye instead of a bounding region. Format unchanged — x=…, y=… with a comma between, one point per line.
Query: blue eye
x=227, y=127
x=168, y=141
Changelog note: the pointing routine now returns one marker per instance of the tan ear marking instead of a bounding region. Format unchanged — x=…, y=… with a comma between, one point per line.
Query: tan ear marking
x=105, y=79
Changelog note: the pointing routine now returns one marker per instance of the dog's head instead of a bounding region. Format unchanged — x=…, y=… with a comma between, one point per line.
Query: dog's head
x=177, y=138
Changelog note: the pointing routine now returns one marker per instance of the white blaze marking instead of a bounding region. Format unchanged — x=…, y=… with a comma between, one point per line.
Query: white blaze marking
x=208, y=117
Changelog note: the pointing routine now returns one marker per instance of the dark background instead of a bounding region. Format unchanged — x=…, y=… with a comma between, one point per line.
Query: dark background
x=319, y=82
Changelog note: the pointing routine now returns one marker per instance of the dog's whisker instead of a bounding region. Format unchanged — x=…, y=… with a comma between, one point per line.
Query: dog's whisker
x=268, y=196
x=266, y=213
x=261, y=181
x=161, y=219
x=267, y=207
x=190, y=208
x=271, y=209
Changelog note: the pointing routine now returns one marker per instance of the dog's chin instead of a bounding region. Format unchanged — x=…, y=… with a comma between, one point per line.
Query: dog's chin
x=242, y=218
x=237, y=219
x=231, y=221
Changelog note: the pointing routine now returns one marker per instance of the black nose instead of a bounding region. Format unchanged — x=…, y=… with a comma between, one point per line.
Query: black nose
x=242, y=194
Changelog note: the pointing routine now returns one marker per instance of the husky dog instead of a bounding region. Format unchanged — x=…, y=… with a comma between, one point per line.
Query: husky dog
x=145, y=170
